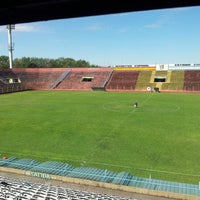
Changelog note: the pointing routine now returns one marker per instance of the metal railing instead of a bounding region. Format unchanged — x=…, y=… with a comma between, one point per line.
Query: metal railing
x=45, y=170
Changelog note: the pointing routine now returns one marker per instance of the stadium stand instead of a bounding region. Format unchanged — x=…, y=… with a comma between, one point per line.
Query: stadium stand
x=106, y=79
x=85, y=79
x=122, y=80
x=60, y=79
x=19, y=189
x=175, y=81
x=9, y=82
x=191, y=80
x=38, y=78
x=145, y=80
x=58, y=171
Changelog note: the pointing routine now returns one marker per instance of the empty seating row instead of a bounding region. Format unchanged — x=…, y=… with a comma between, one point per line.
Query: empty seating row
x=85, y=79
x=122, y=80
x=19, y=79
x=20, y=190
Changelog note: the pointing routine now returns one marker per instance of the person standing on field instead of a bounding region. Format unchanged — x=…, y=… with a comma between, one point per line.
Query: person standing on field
x=135, y=105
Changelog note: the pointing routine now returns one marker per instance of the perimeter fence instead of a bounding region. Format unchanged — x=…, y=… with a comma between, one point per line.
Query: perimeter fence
x=46, y=169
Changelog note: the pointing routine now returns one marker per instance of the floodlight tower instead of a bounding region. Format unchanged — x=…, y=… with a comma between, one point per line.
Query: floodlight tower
x=10, y=27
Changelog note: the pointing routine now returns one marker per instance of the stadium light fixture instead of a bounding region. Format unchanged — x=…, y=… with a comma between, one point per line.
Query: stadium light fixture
x=10, y=27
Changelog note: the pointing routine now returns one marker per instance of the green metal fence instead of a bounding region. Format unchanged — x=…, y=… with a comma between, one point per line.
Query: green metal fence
x=101, y=175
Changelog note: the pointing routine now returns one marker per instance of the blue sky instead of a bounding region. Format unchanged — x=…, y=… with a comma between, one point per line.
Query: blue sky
x=146, y=37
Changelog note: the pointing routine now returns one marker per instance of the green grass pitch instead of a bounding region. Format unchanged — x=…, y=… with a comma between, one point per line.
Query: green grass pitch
x=160, y=138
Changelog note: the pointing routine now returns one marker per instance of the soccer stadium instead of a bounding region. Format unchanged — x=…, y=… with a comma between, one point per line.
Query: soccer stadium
x=116, y=133
x=80, y=126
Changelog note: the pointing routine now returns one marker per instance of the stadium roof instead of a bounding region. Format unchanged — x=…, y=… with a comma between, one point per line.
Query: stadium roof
x=23, y=11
